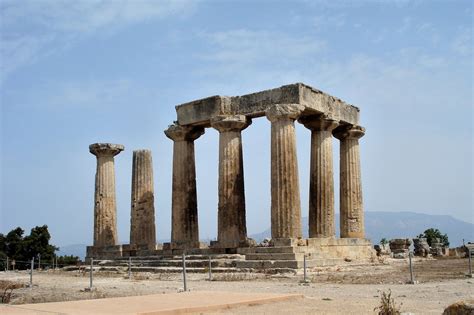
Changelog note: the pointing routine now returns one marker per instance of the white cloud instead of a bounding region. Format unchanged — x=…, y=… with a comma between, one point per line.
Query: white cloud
x=245, y=46
x=329, y=21
x=32, y=29
x=462, y=43
x=90, y=93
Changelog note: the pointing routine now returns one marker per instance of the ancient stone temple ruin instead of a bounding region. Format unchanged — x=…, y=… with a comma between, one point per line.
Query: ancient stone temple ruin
x=324, y=115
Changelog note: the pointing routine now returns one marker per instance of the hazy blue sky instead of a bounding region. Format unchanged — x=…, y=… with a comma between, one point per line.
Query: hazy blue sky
x=78, y=72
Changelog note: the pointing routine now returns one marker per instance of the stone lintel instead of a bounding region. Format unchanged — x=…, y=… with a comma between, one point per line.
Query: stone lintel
x=101, y=149
x=201, y=111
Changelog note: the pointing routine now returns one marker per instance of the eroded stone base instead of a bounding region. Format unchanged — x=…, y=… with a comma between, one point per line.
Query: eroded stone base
x=141, y=250
x=346, y=248
x=184, y=245
x=233, y=244
x=104, y=252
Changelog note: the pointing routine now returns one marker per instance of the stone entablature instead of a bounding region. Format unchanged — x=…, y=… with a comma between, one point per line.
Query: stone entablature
x=200, y=112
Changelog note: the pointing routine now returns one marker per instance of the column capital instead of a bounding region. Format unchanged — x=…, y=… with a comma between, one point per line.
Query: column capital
x=105, y=149
x=318, y=123
x=224, y=123
x=184, y=133
x=349, y=132
x=284, y=111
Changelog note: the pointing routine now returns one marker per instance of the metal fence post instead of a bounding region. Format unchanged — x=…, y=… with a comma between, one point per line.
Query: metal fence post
x=184, y=272
x=210, y=268
x=31, y=271
x=469, y=253
x=90, y=273
x=304, y=268
x=129, y=267
x=412, y=279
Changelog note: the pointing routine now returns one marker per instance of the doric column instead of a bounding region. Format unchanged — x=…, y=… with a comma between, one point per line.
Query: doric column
x=352, y=213
x=105, y=208
x=232, y=229
x=184, y=216
x=286, y=207
x=321, y=183
x=142, y=218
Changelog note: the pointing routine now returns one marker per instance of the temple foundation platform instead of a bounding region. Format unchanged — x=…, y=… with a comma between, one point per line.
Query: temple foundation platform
x=281, y=255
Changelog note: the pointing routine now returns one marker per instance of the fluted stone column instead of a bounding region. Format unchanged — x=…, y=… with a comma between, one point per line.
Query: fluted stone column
x=105, y=208
x=286, y=207
x=232, y=229
x=321, y=183
x=184, y=216
x=142, y=218
x=351, y=208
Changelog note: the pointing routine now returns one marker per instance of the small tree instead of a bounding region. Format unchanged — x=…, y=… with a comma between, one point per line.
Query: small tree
x=68, y=260
x=22, y=248
x=431, y=234
x=383, y=241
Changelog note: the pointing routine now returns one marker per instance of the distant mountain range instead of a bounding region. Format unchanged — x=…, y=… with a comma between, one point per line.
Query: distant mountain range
x=390, y=225
x=378, y=225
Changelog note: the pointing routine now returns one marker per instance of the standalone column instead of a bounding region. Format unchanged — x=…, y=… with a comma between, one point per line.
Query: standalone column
x=232, y=229
x=321, y=183
x=352, y=213
x=184, y=216
x=105, y=208
x=286, y=208
x=142, y=221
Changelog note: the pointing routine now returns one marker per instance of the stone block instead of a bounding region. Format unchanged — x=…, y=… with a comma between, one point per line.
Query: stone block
x=200, y=112
x=288, y=242
x=104, y=252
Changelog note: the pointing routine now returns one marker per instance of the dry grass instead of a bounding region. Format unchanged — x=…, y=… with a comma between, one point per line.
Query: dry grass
x=387, y=305
x=6, y=290
x=233, y=276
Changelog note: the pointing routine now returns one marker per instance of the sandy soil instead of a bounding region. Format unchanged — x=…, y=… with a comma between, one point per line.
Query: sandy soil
x=342, y=289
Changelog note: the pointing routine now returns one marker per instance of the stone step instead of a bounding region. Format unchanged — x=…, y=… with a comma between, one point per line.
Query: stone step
x=274, y=256
x=188, y=257
x=267, y=264
x=283, y=256
x=293, y=264
x=170, y=263
x=168, y=269
x=281, y=249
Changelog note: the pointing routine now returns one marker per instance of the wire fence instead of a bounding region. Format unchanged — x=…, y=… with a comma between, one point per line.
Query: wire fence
x=37, y=264
x=13, y=264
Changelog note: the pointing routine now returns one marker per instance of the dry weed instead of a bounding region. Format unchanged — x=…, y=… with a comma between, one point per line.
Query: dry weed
x=387, y=305
x=6, y=290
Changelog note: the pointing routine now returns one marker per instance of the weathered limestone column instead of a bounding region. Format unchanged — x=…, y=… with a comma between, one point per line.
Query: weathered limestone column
x=142, y=218
x=105, y=208
x=321, y=183
x=286, y=207
x=232, y=229
x=184, y=216
x=351, y=208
